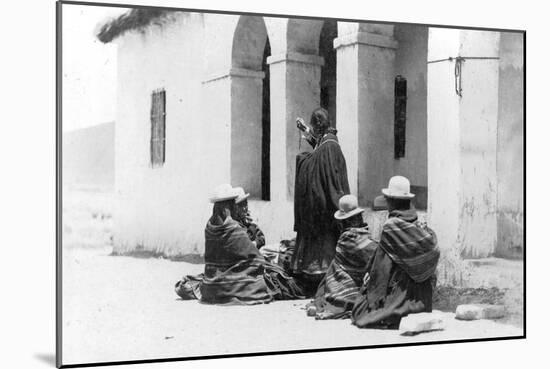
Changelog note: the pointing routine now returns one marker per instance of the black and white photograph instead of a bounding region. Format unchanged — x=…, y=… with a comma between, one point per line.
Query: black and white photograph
x=239, y=183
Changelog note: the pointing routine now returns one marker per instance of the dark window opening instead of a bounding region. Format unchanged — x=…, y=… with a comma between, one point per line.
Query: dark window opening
x=400, y=117
x=158, y=127
x=266, y=127
x=328, y=71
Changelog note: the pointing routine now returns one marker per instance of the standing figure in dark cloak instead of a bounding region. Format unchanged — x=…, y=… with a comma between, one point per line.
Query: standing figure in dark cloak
x=321, y=180
x=402, y=274
x=340, y=287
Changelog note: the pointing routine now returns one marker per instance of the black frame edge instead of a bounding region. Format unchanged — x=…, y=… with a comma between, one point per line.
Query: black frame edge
x=58, y=178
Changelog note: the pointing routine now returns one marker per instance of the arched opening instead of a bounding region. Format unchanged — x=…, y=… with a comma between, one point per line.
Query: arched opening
x=250, y=112
x=328, y=72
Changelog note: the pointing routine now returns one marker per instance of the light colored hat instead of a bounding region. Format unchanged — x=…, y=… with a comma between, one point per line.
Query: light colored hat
x=241, y=196
x=348, y=207
x=398, y=188
x=380, y=203
x=223, y=192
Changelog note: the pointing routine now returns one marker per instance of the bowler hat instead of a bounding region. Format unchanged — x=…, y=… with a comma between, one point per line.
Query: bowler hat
x=380, y=203
x=399, y=187
x=348, y=207
x=241, y=196
x=223, y=192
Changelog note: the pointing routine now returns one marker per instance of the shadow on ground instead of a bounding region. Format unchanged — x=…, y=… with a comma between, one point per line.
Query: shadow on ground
x=46, y=358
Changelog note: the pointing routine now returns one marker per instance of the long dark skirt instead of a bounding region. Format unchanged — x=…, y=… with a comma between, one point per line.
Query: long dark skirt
x=314, y=252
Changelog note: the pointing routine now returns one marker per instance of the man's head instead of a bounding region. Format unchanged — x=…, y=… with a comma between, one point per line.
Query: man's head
x=320, y=122
x=398, y=204
x=349, y=214
x=355, y=221
x=223, y=209
x=241, y=204
x=224, y=202
x=398, y=193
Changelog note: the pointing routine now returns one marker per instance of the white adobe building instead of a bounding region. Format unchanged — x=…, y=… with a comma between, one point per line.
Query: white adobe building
x=206, y=98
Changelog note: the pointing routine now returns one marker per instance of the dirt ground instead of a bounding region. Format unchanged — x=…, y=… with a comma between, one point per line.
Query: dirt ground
x=124, y=308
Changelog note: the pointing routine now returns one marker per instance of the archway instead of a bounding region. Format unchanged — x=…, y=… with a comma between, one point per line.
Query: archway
x=250, y=121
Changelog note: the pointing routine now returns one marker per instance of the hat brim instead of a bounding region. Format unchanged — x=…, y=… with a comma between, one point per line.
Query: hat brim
x=387, y=193
x=219, y=199
x=241, y=198
x=340, y=215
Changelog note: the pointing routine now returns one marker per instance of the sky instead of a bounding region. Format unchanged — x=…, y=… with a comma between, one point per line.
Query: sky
x=89, y=67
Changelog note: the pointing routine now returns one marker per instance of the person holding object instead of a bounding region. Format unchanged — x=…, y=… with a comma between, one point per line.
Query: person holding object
x=243, y=217
x=321, y=180
x=401, y=276
x=307, y=132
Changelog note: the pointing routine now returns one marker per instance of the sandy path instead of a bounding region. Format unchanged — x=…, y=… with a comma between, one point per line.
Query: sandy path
x=123, y=308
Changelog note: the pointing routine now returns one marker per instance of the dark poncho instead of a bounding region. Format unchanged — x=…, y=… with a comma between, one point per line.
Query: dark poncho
x=339, y=288
x=400, y=276
x=321, y=179
x=254, y=232
x=236, y=273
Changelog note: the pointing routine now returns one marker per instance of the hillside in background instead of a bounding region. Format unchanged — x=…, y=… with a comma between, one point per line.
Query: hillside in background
x=88, y=156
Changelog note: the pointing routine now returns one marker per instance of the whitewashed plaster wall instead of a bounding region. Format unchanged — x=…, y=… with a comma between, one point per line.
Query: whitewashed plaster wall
x=462, y=135
x=209, y=88
x=156, y=207
x=510, y=169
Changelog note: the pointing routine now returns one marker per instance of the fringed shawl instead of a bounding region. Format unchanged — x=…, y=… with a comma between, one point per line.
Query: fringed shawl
x=399, y=280
x=339, y=289
x=321, y=179
x=409, y=245
x=236, y=273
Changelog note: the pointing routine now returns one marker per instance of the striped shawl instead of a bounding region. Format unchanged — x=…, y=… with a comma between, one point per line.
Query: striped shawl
x=236, y=273
x=339, y=289
x=410, y=245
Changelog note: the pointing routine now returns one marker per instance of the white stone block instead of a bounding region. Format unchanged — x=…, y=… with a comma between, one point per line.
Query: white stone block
x=480, y=311
x=421, y=322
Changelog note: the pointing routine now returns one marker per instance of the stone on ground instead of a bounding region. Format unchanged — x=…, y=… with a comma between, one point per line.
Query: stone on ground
x=311, y=310
x=421, y=322
x=480, y=311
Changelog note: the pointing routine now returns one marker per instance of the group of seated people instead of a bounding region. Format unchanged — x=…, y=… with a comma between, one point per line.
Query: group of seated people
x=374, y=283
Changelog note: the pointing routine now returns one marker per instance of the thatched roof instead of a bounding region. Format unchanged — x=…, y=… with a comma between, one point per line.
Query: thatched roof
x=135, y=19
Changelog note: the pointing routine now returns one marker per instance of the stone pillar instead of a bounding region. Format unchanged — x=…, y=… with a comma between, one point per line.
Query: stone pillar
x=478, y=136
x=443, y=137
x=246, y=130
x=462, y=137
x=295, y=92
x=365, y=78
x=234, y=130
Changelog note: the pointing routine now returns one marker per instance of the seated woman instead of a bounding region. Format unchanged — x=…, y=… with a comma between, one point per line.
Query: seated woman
x=339, y=288
x=235, y=272
x=243, y=217
x=403, y=267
